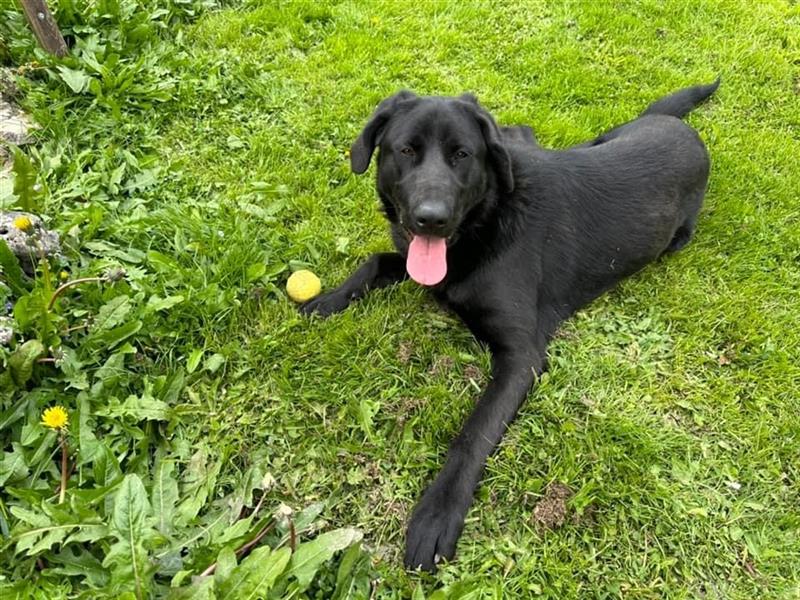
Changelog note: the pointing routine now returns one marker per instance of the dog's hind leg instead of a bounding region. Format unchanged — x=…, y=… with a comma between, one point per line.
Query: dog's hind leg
x=682, y=236
x=685, y=230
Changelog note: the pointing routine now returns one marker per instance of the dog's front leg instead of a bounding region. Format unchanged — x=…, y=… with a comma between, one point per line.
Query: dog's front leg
x=378, y=271
x=438, y=518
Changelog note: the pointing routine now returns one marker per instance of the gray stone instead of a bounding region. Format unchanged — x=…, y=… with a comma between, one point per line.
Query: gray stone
x=14, y=125
x=6, y=331
x=8, y=85
x=28, y=245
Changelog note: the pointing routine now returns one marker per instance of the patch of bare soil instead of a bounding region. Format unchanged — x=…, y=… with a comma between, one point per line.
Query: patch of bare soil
x=405, y=352
x=441, y=365
x=551, y=511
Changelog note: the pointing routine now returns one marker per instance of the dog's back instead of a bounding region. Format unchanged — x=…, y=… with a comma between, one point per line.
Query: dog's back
x=603, y=210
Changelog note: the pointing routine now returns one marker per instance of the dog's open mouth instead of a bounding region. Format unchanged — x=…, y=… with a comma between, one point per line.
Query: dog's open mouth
x=426, y=262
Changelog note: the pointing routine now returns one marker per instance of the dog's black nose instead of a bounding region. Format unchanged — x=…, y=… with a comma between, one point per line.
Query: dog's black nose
x=431, y=217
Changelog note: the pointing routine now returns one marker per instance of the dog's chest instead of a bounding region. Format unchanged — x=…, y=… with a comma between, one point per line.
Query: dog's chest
x=461, y=294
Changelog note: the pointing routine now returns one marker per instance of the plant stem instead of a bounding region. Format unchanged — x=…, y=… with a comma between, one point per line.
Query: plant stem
x=68, y=285
x=64, y=473
x=255, y=540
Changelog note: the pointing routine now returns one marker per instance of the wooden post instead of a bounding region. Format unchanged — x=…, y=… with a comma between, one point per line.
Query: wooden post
x=44, y=26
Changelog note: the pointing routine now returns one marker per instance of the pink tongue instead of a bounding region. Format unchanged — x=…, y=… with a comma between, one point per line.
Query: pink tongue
x=427, y=262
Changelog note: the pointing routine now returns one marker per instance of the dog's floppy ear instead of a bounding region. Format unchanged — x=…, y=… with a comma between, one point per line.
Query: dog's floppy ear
x=362, y=149
x=498, y=154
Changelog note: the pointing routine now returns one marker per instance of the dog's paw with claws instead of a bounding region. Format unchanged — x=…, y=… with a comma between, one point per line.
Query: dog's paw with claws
x=433, y=531
x=326, y=304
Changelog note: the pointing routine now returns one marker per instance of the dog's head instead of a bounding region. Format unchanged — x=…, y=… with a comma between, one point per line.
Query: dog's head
x=438, y=159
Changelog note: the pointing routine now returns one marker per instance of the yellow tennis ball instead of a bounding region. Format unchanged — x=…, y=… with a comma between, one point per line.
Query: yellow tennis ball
x=303, y=286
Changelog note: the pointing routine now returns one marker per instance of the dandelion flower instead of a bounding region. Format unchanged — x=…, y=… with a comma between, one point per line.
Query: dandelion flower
x=23, y=223
x=55, y=417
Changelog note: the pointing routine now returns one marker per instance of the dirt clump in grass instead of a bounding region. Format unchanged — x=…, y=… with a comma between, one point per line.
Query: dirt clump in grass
x=474, y=373
x=551, y=511
x=405, y=352
x=441, y=365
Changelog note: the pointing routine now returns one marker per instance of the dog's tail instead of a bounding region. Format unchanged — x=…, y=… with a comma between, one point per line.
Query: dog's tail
x=681, y=102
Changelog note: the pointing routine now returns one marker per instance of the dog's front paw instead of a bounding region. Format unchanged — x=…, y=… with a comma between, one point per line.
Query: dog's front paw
x=433, y=530
x=326, y=304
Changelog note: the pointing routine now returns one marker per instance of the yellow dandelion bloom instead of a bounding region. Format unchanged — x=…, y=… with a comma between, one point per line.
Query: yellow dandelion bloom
x=23, y=223
x=55, y=417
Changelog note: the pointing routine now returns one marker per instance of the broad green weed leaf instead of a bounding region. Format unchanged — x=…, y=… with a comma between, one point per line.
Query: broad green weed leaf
x=30, y=433
x=204, y=590
x=88, y=444
x=112, y=337
x=141, y=181
x=112, y=313
x=131, y=509
x=111, y=370
x=106, y=469
x=127, y=557
x=306, y=517
x=310, y=555
x=171, y=392
x=213, y=363
x=226, y=563
x=13, y=466
x=88, y=532
x=74, y=374
x=352, y=578
x=457, y=591
x=76, y=80
x=236, y=530
x=24, y=181
x=14, y=413
x=22, y=360
x=43, y=539
x=256, y=271
x=11, y=271
x=367, y=409
x=194, y=360
x=162, y=262
x=29, y=308
x=418, y=593
x=46, y=531
x=256, y=575
x=33, y=518
x=199, y=479
x=106, y=249
x=78, y=562
x=165, y=494
x=156, y=303
x=142, y=408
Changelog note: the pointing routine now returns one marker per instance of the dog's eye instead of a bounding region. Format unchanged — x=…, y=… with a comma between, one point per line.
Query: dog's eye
x=408, y=151
x=460, y=155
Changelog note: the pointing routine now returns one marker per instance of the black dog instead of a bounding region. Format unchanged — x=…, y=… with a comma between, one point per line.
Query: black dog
x=515, y=238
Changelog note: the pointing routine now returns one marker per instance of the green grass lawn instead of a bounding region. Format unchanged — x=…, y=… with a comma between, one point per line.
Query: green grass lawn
x=671, y=407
